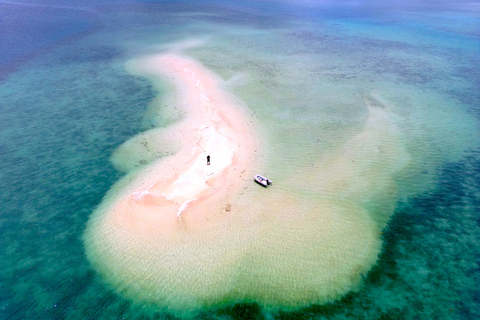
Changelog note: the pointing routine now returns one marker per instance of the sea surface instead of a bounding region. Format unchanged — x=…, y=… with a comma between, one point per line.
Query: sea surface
x=307, y=71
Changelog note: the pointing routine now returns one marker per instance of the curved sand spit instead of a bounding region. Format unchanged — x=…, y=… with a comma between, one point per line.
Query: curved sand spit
x=181, y=235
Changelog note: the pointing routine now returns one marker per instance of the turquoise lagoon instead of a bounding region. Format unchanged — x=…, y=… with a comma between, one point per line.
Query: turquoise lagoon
x=308, y=72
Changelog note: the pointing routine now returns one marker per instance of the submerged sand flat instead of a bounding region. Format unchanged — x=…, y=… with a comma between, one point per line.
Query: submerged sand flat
x=183, y=235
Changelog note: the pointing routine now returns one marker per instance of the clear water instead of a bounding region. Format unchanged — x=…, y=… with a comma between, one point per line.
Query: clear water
x=304, y=71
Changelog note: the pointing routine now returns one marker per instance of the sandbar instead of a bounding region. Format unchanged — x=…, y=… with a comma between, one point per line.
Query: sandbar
x=181, y=235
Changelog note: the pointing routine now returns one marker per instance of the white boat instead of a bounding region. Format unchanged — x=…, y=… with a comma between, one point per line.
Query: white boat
x=262, y=180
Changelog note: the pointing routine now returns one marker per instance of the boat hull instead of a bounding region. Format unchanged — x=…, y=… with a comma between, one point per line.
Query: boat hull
x=261, y=180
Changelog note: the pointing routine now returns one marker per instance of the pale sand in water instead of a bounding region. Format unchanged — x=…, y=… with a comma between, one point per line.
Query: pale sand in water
x=182, y=235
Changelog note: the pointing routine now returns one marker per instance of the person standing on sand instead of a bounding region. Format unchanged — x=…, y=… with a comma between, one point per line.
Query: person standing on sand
x=208, y=160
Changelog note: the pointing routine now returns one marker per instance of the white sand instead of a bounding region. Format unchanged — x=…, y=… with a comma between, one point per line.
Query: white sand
x=212, y=124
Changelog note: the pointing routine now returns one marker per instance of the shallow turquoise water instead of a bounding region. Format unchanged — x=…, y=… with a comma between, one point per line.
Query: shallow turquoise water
x=68, y=104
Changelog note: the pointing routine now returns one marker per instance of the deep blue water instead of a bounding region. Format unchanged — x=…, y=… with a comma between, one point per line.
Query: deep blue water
x=29, y=30
x=66, y=103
